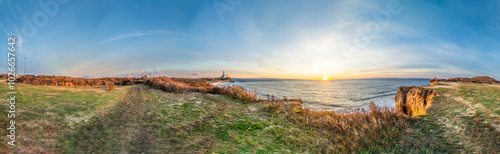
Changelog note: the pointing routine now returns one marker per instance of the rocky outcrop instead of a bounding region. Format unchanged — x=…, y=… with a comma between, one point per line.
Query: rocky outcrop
x=413, y=101
x=434, y=81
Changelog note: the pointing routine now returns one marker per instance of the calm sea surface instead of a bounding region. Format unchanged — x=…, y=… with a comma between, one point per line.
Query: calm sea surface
x=333, y=95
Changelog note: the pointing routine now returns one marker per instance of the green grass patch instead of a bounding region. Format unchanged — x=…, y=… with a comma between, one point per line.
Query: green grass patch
x=45, y=113
x=488, y=96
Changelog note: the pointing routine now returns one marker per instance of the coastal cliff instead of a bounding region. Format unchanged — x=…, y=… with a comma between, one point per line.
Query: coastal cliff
x=413, y=101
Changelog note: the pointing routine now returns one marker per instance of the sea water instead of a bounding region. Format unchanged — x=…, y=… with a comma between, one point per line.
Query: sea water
x=333, y=95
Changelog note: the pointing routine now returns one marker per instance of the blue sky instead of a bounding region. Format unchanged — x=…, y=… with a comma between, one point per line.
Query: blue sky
x=254, y=39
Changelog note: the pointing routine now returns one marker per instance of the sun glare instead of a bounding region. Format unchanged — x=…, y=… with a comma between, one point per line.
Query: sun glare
x=325, y=78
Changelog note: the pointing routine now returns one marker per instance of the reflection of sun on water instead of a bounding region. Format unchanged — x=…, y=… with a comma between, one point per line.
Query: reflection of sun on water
x=325, y=78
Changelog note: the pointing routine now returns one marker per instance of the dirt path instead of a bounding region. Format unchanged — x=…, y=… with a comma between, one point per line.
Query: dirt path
x=128, y=128
x=494, y=85
x=467, y=124
x=150, y=121
x=450, y=85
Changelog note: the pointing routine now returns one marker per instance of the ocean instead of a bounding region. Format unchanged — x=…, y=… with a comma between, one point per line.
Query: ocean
x=334, y=95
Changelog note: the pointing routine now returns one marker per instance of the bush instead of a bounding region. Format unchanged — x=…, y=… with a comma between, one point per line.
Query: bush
x=179, y=85
x=236, y=91
x=48, y=80
x=111, y=86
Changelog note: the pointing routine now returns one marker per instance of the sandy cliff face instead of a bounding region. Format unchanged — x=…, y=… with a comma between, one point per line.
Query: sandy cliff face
x=434, y=81
x=413, y=101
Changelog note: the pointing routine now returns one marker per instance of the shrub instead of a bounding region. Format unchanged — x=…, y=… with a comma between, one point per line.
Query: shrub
x=178, y=85
x=111, y=86
x=236, y=91
x=70, y=81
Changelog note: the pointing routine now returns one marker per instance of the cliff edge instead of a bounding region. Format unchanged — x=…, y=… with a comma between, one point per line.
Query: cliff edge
x=465, y=115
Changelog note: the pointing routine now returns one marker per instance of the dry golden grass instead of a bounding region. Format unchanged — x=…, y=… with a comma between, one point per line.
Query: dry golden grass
x=48, y=80
x=111, y=86
x=194, y=82
x=236, y=91
x=345, y=132
x=178, y=85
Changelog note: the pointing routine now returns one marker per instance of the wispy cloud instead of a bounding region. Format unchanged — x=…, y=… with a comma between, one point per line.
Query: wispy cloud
x=362, y=39
x=138, y=34
x=346, y=23
x=123, y=37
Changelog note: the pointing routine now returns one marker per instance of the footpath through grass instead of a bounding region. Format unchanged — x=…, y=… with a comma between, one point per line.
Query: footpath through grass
x=467, y=116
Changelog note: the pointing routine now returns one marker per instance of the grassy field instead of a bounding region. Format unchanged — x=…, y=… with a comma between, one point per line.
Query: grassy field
x=44, y=113
x=152, y=121
x=467, y=116
x=137, y=119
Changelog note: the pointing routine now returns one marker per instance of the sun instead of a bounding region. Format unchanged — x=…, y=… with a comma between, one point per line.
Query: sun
x=325, y=78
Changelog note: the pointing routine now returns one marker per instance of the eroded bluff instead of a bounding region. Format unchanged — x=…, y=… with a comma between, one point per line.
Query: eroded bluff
x=413, y=101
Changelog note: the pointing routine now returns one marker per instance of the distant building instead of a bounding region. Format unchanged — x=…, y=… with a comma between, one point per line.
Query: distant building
x=224, y=75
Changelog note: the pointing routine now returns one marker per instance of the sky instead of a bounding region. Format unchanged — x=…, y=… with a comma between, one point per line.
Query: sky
x=294, y=39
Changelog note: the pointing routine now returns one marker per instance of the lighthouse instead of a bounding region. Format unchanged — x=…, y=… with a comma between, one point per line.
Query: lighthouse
x=224, y=75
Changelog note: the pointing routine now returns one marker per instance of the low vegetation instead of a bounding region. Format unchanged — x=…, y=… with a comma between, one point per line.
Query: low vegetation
x=477, y=79
x=48, y=80
x=469, y=116
x=373, y=131
x=45, y=113
x=376, y=130
x=179, y=85
x=237, y=92
x=129, y=127
x=111, y=86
